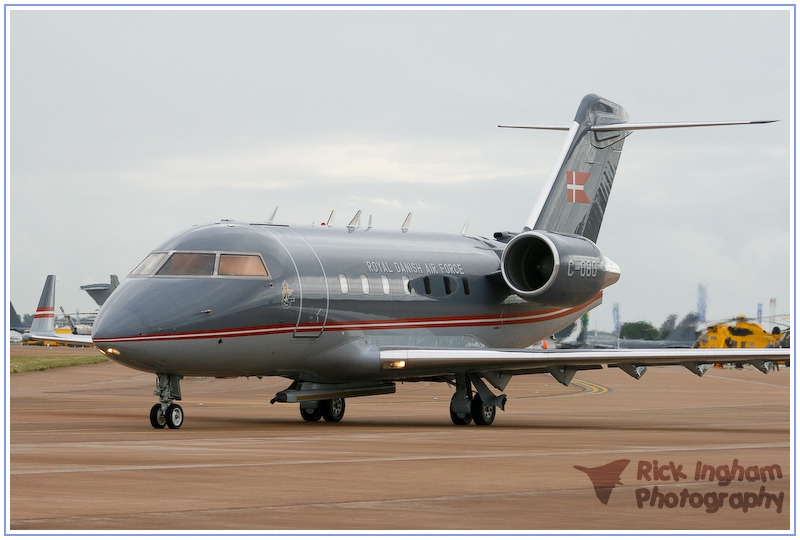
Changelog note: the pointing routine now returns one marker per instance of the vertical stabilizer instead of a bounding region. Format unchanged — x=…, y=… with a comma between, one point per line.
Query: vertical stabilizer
x=580, y=183
x=44, y=321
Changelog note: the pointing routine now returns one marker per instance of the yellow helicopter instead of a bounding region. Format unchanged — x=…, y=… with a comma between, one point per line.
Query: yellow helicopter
x=740, y=333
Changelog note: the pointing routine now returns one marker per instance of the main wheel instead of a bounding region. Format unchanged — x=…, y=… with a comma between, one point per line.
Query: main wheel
x=157, y=418
x=482, y=413
x=332, y=409
x=174, y=416
x=458, y=418
x=310, y=415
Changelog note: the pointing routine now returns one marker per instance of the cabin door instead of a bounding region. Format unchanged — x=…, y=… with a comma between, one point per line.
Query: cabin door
x=308, y=293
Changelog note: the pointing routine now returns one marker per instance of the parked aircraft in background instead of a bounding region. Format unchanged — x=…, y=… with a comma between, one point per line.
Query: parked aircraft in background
x=346, y=312
x=15, y=322
x=101, y=291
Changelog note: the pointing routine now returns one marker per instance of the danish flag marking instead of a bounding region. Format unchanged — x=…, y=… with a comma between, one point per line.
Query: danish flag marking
x=575, y=189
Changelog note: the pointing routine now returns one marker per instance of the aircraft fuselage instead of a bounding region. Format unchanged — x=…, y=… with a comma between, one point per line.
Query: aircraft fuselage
x=324, y=290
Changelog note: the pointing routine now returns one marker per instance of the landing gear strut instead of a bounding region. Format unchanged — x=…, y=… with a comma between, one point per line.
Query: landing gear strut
x=166, y=413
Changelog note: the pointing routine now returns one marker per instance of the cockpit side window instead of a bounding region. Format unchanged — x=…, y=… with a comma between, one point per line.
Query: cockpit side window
x=188, y=264
x=150, y=263
x=241, y=265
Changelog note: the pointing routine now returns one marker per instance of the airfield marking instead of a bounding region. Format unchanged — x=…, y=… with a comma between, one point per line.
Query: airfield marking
x=482, y=456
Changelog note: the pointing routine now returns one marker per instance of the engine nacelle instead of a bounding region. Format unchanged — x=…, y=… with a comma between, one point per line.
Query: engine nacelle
x=553, y=269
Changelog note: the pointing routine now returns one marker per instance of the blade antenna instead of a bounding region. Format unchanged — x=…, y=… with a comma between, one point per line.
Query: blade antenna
x=407, y=222
x=271, y=219
x=355, y=223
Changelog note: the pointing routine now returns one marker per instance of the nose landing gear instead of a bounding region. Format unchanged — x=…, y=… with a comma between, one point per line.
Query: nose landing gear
x=166, y=413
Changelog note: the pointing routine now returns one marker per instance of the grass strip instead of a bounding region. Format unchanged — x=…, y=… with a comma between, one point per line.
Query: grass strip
x=42, y=362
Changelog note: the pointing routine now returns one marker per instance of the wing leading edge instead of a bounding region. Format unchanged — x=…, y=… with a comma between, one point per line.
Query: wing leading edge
x=409, y=363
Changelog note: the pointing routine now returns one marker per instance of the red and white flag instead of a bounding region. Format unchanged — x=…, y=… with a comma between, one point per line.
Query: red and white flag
x=575, y=190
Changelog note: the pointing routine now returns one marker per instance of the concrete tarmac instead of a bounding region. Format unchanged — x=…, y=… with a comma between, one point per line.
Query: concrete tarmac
x=84, y=457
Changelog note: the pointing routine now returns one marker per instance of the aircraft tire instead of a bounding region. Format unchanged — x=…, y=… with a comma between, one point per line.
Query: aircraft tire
x=310, y=415
x=174, y=416
x=459, y=419
x=157, y=418
x=332, y=409
x=482, y=413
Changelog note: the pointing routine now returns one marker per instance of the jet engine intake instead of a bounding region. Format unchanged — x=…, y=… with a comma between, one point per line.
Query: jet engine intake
x=553, y=269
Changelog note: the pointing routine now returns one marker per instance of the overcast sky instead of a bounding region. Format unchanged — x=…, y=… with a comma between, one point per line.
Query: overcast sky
x=127, y=126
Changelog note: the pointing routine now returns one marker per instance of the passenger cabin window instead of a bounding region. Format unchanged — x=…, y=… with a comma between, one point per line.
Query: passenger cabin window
x=365, y=283
x=241, y=265
x=387, y=288
x=406, y=284
x=343, y=283
x=188, y=264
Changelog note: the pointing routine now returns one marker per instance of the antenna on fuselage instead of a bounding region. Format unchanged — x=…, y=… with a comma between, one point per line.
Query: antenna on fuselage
x=272, y=217
x=355, y=223
x=407, y=222
x=369, y=223
x=464, y=228
x=331, y=218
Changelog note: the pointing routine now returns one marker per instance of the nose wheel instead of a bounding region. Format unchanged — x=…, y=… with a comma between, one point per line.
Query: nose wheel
x=166, y=413
x=172, y=417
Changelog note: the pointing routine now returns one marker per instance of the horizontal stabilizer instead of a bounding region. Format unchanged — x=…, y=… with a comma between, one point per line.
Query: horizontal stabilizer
x=667, y=125
x=625, y=126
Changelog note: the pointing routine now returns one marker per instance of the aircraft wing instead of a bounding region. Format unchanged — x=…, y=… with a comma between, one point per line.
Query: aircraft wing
x=67, y=339
x=562, y=364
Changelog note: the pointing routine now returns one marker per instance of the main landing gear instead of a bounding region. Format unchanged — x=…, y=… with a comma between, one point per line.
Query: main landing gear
x=332, y=410
x=467, y=406
x=166, y=413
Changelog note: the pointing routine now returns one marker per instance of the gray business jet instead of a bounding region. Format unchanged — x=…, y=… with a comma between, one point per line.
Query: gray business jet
x=346, y=312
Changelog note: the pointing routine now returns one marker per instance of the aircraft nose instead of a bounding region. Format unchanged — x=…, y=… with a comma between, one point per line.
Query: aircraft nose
x=116, y=322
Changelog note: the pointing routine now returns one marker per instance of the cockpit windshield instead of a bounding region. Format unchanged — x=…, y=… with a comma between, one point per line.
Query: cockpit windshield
x=203, y=264
x=188, y=264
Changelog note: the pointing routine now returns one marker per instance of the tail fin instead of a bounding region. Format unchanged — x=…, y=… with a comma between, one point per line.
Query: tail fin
x=44, y=322
x=579, y=185
x=575, y=197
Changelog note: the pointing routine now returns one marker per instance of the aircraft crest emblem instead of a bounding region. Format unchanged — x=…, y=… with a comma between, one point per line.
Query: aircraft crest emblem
x=286, y=294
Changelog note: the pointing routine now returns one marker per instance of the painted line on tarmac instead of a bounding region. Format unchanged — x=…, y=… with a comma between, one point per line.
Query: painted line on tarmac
x=350, y=461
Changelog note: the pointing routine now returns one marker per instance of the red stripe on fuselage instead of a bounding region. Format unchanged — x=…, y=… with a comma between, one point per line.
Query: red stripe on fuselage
x=385, y=324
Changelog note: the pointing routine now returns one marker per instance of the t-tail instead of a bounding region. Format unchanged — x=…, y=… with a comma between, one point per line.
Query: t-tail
x=580, y=183
x=576, y=193
x=555, y=261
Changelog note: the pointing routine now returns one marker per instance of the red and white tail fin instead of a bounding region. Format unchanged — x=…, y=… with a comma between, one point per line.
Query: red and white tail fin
x=44, y=321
